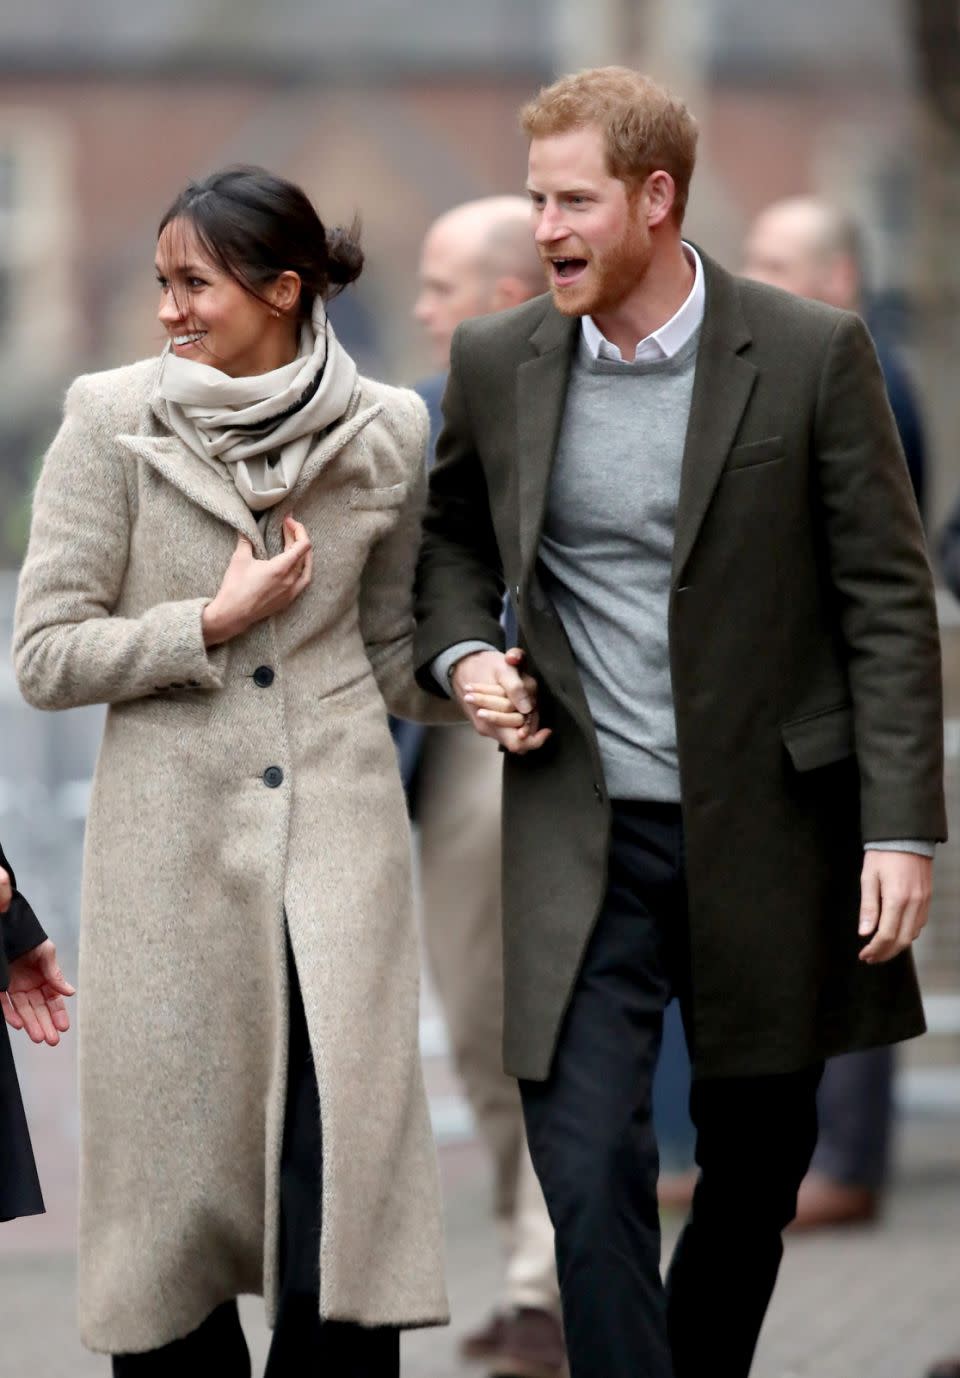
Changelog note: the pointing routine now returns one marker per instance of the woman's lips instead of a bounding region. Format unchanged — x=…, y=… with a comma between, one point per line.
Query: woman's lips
x=187, y=339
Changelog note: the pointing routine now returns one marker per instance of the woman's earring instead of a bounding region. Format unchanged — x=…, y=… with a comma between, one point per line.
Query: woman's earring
x=276, y=312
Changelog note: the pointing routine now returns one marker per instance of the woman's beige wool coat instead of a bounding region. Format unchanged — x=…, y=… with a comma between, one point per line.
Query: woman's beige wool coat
x=233, y=784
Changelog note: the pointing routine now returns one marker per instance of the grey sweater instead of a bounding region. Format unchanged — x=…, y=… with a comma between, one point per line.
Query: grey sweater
x=606, y=552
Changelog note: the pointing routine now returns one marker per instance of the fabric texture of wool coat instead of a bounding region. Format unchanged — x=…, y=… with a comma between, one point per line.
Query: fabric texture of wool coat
x=804, y=657
x=234, y=784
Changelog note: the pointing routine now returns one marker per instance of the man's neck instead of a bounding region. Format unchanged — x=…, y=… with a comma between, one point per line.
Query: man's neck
x=658, y=297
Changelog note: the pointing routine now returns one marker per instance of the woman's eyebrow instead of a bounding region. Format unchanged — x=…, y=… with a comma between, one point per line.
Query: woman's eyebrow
x=185, y=269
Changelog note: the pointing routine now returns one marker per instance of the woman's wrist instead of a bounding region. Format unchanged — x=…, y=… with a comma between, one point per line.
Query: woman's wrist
x=215, y=625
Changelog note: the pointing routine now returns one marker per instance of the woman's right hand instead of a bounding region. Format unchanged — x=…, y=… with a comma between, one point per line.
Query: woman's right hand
x=253, y=589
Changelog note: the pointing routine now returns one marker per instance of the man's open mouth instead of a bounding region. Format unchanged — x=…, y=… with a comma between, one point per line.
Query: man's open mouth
x=567, y=269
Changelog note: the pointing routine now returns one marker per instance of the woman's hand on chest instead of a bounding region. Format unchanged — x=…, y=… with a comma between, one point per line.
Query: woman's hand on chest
x=253, y=589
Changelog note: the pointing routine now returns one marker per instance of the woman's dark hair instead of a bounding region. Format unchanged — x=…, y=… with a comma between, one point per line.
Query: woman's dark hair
x=256, y=226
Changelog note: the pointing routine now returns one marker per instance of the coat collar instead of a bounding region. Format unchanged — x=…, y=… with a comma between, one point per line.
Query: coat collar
x=541, y=393
x=722, y=385
x=214, y=490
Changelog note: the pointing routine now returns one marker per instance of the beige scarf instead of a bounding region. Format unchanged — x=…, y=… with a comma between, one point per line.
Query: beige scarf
x=262, y=427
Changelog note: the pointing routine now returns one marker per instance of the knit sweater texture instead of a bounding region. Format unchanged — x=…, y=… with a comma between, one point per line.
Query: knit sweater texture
x=606, y=551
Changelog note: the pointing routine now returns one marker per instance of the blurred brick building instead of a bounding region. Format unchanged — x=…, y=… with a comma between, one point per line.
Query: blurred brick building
x=395, y=109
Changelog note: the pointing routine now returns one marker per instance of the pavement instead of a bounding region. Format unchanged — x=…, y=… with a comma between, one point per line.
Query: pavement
x=881, y=1301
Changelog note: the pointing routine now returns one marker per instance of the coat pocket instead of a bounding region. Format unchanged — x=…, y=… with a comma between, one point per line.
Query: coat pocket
x=393, y=495
x=755, y=452
x=821, y=739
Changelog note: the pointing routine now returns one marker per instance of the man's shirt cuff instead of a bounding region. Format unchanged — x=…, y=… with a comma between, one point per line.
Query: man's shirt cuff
x=443, y=663
x=902, y=845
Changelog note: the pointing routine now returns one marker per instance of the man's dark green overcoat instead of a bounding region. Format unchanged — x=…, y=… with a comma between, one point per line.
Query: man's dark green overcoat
x=804, y=655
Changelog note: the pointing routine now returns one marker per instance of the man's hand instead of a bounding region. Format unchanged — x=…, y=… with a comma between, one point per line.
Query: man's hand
x=6, y=891
x=895, y=889
x=253, y=589
x=34, y=999
x=499, y=701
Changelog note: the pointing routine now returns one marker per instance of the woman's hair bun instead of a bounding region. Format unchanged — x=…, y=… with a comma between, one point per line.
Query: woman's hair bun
x=344, y=256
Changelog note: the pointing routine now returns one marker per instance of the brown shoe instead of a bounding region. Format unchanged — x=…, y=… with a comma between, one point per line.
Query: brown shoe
x=483, y=1344
x=947, y=1368
x=822, y=1203
x=532, y=1346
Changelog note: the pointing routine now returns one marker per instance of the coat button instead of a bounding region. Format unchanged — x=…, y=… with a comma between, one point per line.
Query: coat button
x=598, y=792
x=272, y=777
x=263, y=676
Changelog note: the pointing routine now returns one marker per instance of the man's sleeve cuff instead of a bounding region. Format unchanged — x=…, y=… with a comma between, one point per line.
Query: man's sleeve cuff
x=902, y=845
x=443, y=663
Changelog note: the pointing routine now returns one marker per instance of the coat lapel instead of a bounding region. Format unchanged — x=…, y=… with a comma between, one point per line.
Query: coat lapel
x=217, y=494
x=722, y=385
x=340, y=434
x=197, y=480
x=541, y=392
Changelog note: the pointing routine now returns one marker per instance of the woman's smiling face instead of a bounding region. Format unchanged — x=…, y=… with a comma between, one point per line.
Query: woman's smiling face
x=208, y=315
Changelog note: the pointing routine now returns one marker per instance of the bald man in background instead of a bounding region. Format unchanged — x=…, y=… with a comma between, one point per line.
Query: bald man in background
x=812, y=249
x=478, y=258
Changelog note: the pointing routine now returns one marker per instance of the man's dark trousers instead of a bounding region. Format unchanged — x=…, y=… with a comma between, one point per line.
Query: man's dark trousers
x=591, y=1138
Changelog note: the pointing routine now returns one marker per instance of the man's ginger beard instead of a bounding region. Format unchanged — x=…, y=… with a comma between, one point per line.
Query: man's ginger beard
x=615, y=273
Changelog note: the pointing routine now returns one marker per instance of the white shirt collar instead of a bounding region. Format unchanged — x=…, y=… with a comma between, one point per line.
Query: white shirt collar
x=670, y=338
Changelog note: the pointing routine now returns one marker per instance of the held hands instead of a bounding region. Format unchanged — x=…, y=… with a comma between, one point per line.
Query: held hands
x=34, y=999
x=498, y=700
x=6, y=891
x=253, y=589
x=895, y=889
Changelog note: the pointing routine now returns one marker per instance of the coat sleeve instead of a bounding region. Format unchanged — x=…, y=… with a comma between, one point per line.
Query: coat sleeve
x=459, y=587
x=70, y=646
x=386, y=590
x=459, y=577
x=19, y=926
x=881, y=578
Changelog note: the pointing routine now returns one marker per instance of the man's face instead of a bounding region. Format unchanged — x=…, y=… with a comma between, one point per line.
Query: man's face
x=781, y=251
x=590, y=230
x=453, y=287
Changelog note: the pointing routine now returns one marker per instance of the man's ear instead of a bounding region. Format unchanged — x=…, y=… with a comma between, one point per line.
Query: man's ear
x=845, y=281
x=658, y=194
x=509, y=291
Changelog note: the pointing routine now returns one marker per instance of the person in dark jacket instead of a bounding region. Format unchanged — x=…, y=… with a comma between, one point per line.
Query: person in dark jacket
x=693, y=487
x=32, y=988
x=813, y=249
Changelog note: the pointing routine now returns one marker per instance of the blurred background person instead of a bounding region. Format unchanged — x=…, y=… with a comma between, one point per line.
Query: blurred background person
x=814, y=249
x=477, y=258
x=32, y=988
